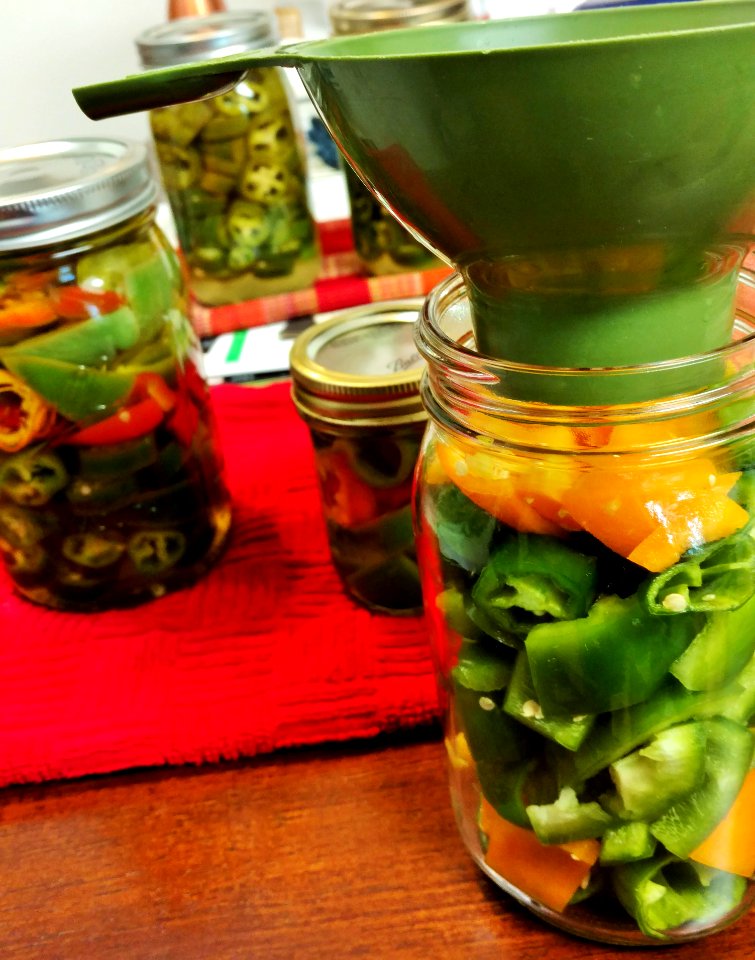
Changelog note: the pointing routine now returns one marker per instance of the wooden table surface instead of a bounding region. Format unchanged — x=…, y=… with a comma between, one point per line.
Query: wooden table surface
x=339, y=852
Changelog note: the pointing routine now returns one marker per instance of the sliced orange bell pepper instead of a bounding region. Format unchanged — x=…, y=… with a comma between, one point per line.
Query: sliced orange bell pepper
x=731, y=846
x=487, y=481
x=623, y=509
x=550, y=873
x=26, y=313
x=702, y=519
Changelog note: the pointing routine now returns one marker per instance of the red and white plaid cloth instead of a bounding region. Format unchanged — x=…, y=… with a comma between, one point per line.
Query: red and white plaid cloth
x=265, y=652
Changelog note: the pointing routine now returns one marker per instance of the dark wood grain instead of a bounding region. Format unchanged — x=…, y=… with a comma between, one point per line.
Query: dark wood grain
x=344, y=852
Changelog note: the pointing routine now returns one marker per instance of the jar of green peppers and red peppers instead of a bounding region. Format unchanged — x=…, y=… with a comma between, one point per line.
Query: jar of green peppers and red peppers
x=382, y=244
x=111, y=487
x=232, y=166
x=356, y=385
x=586, y=543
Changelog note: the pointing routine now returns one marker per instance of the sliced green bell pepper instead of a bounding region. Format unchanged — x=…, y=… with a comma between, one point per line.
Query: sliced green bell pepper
x=720, y=650
x=665, y=893
x=650, y=779
x=616, y=656
x=93, y=343
x=616, y=734
x=145, y=277
x=521, y=704
x=76, y=392
x=464, y=531
x=481, y=669
x=689, y=820
x=92, y=549
x=568, y=819
x=626, y=843
x=719, y=576
x=531, y=579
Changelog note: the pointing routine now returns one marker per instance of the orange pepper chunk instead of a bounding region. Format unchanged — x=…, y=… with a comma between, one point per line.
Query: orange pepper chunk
x=26, y=313
x=487, y=481
x=622, y=509
x=549, y=873
x=731, y=846
x=705, y=518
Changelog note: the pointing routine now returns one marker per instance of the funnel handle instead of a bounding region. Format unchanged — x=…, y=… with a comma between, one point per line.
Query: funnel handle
x=165, y=86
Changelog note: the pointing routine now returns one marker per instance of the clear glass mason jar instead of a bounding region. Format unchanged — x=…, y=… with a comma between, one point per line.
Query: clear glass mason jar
x=232, y=167
x=356, y=383
x=589, y=580
x=382, y=244
x=111, y=487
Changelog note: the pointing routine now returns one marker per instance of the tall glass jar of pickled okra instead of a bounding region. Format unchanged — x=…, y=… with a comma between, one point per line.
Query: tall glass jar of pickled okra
x=356, y=384
x=382, y=244
x=110, y=479
x=232, y=166
x=586, y=543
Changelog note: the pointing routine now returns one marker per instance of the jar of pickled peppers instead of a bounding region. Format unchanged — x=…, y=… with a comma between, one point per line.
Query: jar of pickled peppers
x=356, y=385
x=589, y=580
x=382, y=244
x=111, y=489
x=232, y=166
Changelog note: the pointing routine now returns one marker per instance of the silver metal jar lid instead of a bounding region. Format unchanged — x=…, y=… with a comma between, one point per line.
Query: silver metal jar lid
x=58, y=190
x=202, y=38
x=364, y=16
x=361, y=366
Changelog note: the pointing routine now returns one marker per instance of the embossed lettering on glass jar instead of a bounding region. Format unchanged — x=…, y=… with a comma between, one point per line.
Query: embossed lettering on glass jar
x=382, y=244
x=110, y=481
x=232, y=166
x=356, y=385
x=589, y=577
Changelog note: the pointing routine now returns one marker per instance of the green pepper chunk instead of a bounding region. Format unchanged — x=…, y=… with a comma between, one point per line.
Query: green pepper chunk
x=650, y=779
x=144, y=277
x=464, y=531
x=616, y=656
x=77, y=392
x=626, y=843
x=531, y=579
x=480, y=669
x=665, y=893
x=154, y=551
x=616, y=734
x=33, y=477
x=689, y=820
x=568, y=819
x=719, y=576
x=720, y=650
x=522, y=705
x=24, y=528
x=92, y=342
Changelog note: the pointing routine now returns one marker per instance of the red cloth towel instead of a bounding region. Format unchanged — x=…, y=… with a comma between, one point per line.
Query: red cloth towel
x=266, y=651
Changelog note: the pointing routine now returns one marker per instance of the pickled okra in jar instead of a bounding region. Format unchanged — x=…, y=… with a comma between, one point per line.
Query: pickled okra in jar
x=356, y=385
x=589, y=578
x=111, y=487
x=232, y=169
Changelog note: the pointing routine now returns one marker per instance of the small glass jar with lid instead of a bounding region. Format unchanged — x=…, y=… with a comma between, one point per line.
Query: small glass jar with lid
x=382, y=244
x=588, y=568
x=111, y=487
x=232, y=166
x=356, y=385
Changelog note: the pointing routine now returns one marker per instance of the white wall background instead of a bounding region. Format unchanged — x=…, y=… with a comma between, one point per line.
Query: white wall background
x=49, y=46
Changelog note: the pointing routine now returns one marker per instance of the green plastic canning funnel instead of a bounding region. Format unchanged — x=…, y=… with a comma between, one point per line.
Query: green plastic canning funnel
x=590, y=174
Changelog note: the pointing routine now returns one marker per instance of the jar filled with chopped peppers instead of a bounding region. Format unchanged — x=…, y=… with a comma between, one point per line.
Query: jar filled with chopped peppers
x=384, y=246
x=110, y=480
x=232, y=166
x=356, y=385
x=589, y=579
